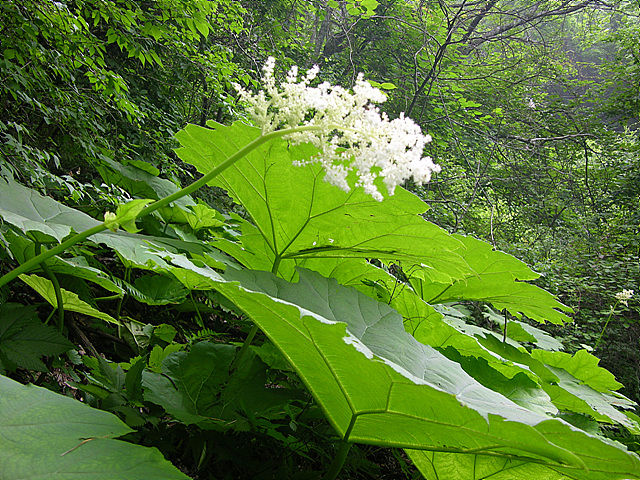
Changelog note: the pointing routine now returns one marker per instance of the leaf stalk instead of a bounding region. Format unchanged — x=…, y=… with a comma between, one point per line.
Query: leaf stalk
x=189, y=189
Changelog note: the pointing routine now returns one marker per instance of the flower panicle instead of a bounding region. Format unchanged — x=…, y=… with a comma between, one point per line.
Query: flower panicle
x=624, y=296
x=347, y=127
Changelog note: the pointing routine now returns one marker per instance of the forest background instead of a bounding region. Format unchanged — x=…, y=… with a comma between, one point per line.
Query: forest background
x=533, y=107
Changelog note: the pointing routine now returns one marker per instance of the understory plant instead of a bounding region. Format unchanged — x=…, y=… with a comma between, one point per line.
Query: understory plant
x=355, y=315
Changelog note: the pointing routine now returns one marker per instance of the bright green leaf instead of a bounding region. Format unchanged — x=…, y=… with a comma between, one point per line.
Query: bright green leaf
x=70, y=301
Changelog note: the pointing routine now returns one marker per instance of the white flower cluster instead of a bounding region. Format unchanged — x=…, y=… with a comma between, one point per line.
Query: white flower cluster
x=624, y=296
x=347, y=128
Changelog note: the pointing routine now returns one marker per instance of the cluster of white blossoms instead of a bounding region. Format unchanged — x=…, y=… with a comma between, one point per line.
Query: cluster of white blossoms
x=624, y=296
x=347, y=128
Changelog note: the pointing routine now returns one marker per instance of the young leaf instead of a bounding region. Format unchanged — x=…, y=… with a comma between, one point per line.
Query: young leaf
x=70, y=301
x=126, y=215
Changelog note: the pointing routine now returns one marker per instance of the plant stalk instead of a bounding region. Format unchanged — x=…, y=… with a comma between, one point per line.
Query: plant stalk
x=254, y=329
x=338, y=461
x=56, y=289
x=37, y=260
x=605, y=326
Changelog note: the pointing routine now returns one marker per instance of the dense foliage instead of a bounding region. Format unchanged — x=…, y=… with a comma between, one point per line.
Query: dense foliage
x=263, y=323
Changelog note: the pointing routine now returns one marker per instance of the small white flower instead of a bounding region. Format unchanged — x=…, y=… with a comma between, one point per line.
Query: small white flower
x=624, y=296
x=347, y=128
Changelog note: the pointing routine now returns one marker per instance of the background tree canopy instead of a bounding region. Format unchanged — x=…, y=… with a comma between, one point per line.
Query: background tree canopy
x=534, y=109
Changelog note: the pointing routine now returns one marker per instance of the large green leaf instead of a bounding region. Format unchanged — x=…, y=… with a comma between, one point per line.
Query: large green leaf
x=445, y=466
x=566, y=390
x=46, y=436
x=42, y=217
x=297, y=214
x=499, y=280
x=421, y=319
x=581, y=365
x=378, y=385
x=139, y=182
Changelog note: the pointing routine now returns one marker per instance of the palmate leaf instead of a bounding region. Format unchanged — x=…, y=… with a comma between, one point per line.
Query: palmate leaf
x=441, y=465
x=581, y=365
x=24, y=338
x=378, y=385
x=499, y=280
x=567, y=392
x=297, y=214
x=196, y=387
x=421, y=320
x=46, y=436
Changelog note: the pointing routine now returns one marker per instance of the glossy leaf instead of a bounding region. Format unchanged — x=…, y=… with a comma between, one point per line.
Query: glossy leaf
x=46, y=220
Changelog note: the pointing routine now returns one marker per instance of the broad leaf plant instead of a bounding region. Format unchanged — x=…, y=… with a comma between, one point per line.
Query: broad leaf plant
x=357, y=295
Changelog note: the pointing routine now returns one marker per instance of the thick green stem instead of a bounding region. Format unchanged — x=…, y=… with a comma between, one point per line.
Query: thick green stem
x=56, y=289
x=254, y=329
x=37, y=260
x=195, y=306
x=338, y=461
x=605, y=326
x=245, y=347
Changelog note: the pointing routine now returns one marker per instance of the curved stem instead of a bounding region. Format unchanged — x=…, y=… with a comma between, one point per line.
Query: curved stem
x=195, y=306
x=338, y=461
x=127, y=278
x=341, y=454
x=255, y=328
x=605, y=326
x=58, y=292
x=56, y=289
x=37, y=260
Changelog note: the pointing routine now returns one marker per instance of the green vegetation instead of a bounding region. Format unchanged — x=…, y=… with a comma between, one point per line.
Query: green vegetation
x=182, y=295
